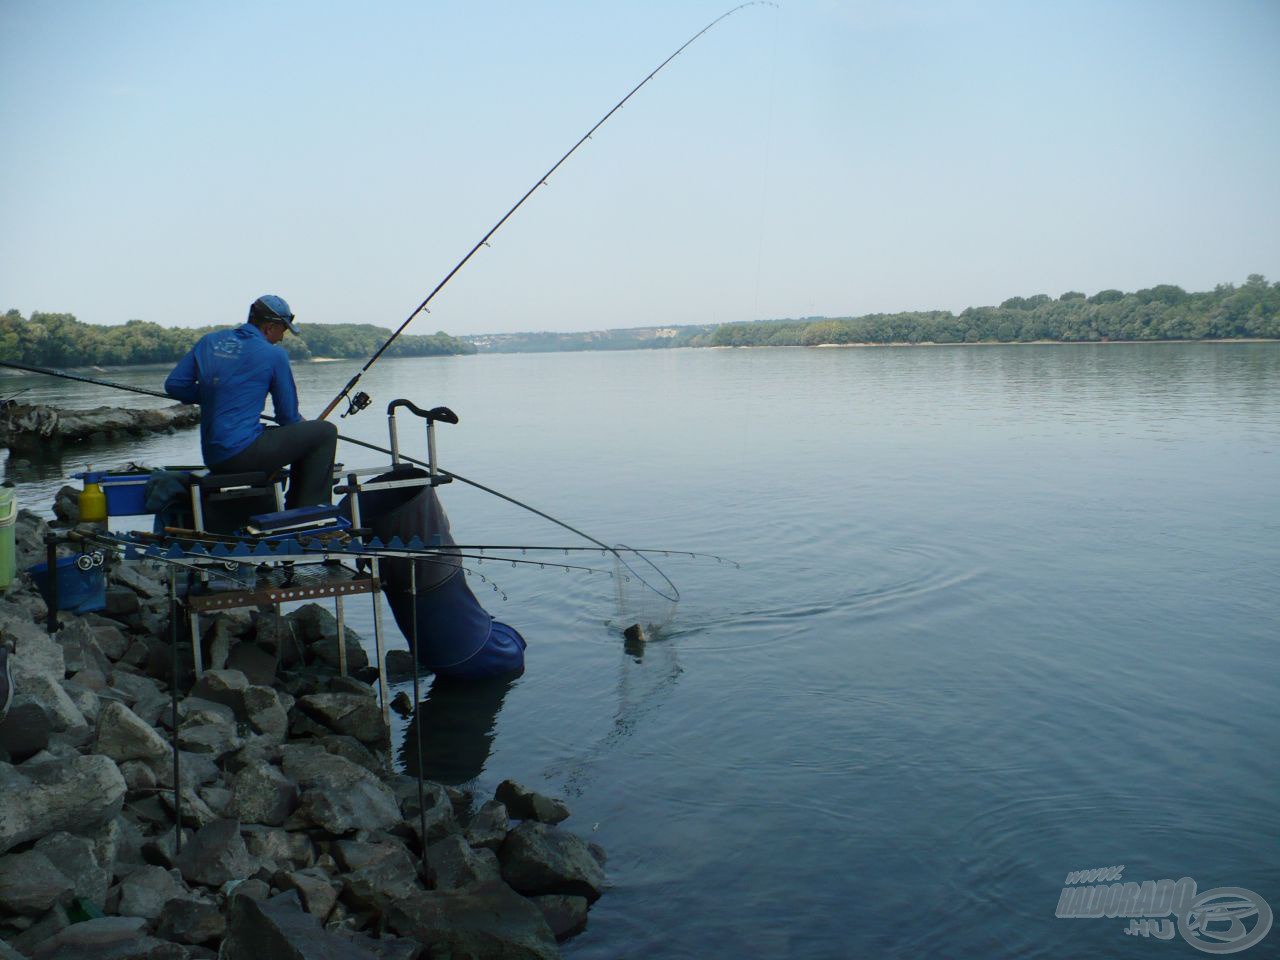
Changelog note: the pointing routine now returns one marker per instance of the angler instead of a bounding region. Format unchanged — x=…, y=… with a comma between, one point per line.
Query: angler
x=230, y=373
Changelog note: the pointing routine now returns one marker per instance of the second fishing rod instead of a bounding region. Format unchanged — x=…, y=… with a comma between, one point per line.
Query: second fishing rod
x=358, y=401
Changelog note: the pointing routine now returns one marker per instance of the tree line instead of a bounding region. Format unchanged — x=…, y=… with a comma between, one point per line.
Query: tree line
x=59, y=339
x=1163, y=312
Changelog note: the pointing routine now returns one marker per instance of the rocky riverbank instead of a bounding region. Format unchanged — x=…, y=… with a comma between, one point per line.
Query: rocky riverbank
x=298, y=839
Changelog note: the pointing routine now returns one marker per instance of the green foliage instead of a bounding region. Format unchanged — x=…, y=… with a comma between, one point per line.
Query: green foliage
x=59, y=339
x=1164, y=312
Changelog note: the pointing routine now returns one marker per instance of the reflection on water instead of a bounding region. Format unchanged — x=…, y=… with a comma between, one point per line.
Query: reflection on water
x=454, y=728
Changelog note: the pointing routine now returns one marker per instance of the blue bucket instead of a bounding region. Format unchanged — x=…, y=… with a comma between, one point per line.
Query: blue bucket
x=79, y=590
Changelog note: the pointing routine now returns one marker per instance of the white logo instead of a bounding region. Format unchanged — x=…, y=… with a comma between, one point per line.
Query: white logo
x=1221, y=920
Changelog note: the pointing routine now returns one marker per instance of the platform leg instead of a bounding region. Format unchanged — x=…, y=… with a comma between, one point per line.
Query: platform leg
x=384, y=696
x=342, y=635
x=196, y=657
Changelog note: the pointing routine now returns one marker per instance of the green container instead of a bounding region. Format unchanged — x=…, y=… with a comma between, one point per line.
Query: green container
x=8, y=517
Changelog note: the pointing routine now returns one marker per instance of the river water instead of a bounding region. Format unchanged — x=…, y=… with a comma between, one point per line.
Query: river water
x=1002, y=613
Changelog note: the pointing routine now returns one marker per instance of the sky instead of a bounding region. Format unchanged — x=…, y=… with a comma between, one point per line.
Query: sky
x=172, y=161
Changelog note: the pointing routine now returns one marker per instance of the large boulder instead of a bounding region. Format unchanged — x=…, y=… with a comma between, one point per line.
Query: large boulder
x=78, y=794
x=280, y=929
x=539, y=859
x=260, y=793
x=452, y=864
x=336, y=794
x=215, y=855
x=77, y=858
x=379, y=882
x=122, y=735
x=145, y=891
x=191, y=921
x=524, y=804
x=31, y=885
x=350, y=714
x=485, y=921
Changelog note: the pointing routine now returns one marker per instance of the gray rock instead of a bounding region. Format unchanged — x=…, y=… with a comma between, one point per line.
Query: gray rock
x=145, y=892
x=141, y=580
x=280, y=929
x=294, y=851
x=43, y=690
x=35, y=652
x=214, y=739
x=218, y=798
x=29, y=532
x=565, y=915
x=325, y=651
x=107, y=938
x=257, y=663
x=31, y=885
x=351, y=714
x=221, y=686
x=215, y=855
x=194, y=812
x=383, y=948
x=253, y=888
x=85, y=699
x=217, y=644
x=490, y=826
x=538, y=859
x=353, y=750
x=110, y=638
x=122, y=735
x=489, y=920
x=264, y=712
x=378, y=883
x=262, y=794
x=47, y=926
x=399, y=666
x=524, y=804
x=134, y=687
x=77, y=859
x=77, y=794
x=121, y=603
x=189, y=921
x=440, y=819
x=314, y=887
x=452, y=864
x=139, y=779
x=356, y=854
x=275, y=633
x=338, y=795
x=24, y=732
x=196, y=711
x=196, y=770
x=80, y=649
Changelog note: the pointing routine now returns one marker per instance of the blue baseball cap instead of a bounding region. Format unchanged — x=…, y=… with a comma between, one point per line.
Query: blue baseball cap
x=271, y=307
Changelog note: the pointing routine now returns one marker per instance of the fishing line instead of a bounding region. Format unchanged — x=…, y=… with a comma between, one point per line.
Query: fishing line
x=673, y=597
x=357, y=402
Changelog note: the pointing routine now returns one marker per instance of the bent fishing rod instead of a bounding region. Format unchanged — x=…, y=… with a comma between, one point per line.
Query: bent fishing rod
x=614, y=550
x=359, y=401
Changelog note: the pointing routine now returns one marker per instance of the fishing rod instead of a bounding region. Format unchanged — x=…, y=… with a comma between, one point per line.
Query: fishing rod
x=361, y=400
x=80, y=378
x=674, y=596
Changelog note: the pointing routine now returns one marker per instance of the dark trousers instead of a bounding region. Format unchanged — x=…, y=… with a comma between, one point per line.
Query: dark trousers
x=307, y=447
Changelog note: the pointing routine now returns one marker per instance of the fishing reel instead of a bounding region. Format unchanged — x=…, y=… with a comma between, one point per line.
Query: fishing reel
x=357, y=403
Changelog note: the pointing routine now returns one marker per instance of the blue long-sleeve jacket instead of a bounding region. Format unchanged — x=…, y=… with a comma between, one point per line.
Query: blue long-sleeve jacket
x=229, y=373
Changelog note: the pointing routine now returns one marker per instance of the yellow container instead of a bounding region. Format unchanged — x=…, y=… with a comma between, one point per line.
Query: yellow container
x=93, y=502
